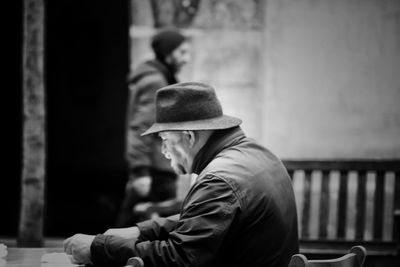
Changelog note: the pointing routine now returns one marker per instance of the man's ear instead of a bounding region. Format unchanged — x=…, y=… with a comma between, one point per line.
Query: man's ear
x=168, y=59
x=191, y=136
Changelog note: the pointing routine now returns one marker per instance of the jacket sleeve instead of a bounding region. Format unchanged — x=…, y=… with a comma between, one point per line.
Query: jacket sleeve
x=140, y=116
x=207, y=216
x=156, y=229
x=108, y=250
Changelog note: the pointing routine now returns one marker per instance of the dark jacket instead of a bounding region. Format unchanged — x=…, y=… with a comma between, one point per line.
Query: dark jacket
x=143, y=153
x=240, y=211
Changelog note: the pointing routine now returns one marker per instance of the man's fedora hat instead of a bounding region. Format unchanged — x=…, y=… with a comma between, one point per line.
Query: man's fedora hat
x=189, y=106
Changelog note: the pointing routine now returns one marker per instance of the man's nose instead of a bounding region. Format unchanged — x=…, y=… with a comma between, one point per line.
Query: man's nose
x=164, y=151
x=187, y=58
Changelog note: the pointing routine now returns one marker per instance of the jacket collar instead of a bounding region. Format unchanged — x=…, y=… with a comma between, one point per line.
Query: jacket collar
x=217, y=142
x=165, y=69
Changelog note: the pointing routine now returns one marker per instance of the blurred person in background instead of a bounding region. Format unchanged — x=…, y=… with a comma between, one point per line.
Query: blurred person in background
x=151, y=178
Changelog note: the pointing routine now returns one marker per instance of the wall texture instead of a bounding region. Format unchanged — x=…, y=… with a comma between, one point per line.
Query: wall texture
x=332, y=78
x=310, y=79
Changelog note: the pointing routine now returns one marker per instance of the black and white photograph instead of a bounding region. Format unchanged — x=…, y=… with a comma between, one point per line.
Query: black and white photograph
x=242, y=133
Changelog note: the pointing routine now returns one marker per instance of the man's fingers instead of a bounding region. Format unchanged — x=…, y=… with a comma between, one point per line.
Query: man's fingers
x=71, y=259
x=67, y=245
x=110, y=231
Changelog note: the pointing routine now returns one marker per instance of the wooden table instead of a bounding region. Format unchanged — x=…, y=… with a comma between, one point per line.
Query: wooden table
x=29, y=257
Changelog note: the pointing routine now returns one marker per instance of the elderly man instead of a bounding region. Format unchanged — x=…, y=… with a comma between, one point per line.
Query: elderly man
x=240, y=210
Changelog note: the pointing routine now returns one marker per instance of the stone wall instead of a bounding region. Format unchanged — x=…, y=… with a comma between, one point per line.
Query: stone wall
x=309, y=78
x=332, y=78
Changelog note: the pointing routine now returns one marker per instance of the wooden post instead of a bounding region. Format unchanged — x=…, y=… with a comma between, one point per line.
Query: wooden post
x=30, y=232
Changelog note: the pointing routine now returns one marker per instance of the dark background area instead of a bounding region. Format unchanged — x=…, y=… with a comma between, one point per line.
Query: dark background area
x=86, y=64
x=11, y=119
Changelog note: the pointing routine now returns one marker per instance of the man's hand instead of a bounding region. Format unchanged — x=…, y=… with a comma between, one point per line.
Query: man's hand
x=129, y=233
x=141, y=185
x=142, y=207
x=78, y=246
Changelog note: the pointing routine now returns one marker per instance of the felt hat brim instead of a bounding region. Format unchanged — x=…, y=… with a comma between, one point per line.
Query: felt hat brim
x=218, y=123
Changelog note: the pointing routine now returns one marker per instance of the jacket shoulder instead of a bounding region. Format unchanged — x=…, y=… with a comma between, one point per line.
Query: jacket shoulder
x=145, y=70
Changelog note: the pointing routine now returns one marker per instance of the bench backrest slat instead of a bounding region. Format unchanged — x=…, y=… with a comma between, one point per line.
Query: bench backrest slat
x=345, y=165
x=396, y=230
x=378, y=205
x=361, y=207
x=342, y=210
x=324, y=202
x=307, y=204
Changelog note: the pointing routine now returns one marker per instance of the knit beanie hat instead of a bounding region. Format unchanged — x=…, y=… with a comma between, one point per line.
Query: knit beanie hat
x=166, y=41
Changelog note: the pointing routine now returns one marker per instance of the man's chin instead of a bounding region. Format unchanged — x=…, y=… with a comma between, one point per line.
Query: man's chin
x=179, y=68
x=179, y=170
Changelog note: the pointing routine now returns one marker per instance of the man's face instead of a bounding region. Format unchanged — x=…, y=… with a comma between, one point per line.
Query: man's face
x=175, y=147
x=179, y=57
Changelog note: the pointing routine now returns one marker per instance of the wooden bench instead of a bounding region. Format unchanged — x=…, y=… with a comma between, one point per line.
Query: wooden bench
x=342, y=203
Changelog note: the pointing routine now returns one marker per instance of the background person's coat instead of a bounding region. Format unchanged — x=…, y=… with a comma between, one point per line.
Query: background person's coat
x=144, y=152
